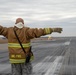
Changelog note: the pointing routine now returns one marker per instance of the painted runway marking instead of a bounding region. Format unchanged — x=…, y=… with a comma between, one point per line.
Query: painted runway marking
x=41, y=66
x=53, y=67
x=67, y=43
x=48, y=68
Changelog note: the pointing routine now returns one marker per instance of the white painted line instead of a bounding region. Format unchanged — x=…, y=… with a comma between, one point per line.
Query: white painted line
x=42, y=65
x=67, y=43
x=53, y=67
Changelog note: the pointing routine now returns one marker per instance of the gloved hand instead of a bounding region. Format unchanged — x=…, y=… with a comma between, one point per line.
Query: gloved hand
x=59, y=30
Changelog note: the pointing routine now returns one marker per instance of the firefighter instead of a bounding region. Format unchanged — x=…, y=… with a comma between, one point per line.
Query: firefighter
x=17, y=56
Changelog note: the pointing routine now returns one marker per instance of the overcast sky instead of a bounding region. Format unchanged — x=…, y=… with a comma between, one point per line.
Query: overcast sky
x=41, y=14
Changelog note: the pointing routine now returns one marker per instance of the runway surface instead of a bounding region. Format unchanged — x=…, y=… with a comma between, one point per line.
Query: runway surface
x=52, y=57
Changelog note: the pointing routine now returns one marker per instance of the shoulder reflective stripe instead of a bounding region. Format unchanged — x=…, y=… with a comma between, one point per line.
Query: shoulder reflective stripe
x=18, y=45
x=47, y=30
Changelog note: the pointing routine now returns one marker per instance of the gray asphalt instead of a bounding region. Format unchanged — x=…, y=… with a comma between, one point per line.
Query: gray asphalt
x=52, y=57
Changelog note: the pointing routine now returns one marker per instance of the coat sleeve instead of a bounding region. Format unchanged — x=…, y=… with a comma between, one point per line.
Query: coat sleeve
x=3, y=31
x=35, y=32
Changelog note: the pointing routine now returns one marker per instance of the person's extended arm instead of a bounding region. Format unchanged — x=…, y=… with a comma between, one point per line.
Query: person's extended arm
x=35, y=32
x=3, y=31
